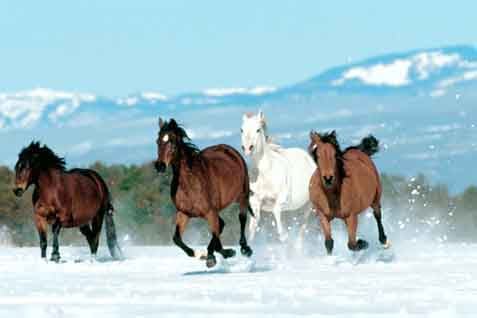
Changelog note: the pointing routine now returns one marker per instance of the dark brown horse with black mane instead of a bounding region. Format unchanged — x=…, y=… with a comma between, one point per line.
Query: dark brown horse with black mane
x=345, y=184
x=204, y=183
x=74, y=198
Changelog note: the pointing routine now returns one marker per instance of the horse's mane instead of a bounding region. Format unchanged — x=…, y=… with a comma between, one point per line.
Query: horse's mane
x=183, y=140
x=41, y=157
x=331, y=138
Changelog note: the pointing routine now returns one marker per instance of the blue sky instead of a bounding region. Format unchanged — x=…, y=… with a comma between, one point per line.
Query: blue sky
x=113, y=47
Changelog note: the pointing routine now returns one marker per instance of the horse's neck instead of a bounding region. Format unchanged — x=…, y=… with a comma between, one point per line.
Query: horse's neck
x=47, y=178
x=264, y=157
x=182, y=169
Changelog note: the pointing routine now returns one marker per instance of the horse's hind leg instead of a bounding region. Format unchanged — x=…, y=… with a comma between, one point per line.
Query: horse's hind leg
x=378, y=216
x=352, y=225
x=55, y=254
x=244, y=248
x=96, y=225
x=86, y=231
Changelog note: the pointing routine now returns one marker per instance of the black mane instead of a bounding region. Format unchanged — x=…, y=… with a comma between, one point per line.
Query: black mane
x=331, y=138
x=41, y=157
x=183, y=141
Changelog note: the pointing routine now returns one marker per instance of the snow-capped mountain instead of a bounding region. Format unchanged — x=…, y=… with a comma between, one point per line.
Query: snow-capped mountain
x=421, y=104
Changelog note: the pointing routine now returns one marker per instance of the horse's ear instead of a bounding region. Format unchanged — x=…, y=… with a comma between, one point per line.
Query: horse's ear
x=173, y=123
x=161, y=123
x=314, y=136
x=333, y=134
x=261, y=117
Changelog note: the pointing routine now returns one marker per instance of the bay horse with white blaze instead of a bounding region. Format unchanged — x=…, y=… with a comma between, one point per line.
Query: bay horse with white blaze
x=345, y=184
x=204, y=183
x=65, y=199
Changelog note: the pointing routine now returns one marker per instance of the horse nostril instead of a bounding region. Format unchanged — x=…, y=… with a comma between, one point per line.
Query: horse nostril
x=243, y=147
x=251, y=147
x=328, y=180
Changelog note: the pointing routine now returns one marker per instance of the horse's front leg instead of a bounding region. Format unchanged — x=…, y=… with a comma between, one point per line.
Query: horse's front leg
x=55, y=254
x=215, y=245
x=42, y=228
x=256, y=205
x=304, y=226
x=326, y=228
x=182, y=220
x=277, y=213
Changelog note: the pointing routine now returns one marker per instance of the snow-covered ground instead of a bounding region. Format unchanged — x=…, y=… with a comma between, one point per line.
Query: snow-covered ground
x=422, y=280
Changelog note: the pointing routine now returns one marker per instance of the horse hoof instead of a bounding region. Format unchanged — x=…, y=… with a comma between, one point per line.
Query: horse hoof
x=246, y=251
x=211, y=261
x=387, y=245
x=55, y=258
x=227, y=253
x=361, y=245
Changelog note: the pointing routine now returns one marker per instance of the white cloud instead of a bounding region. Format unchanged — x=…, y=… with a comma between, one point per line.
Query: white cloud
x=128, y=101
x=81, y=148
x=25, y=108
x=259, y=90
x=342, y=113
x=207, y=133
x=393, y=74
x=398, y=72
x=153, y=96
x=442, y=128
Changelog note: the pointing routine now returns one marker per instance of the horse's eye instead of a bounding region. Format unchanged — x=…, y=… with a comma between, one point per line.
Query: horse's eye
x=241, y=130
x=258, y=130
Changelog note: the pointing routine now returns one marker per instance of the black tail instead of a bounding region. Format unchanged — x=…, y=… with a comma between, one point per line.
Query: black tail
x=112, y=238
x=369, y=145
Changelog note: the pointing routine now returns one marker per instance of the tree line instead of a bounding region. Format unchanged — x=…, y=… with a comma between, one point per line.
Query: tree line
x=145, y=215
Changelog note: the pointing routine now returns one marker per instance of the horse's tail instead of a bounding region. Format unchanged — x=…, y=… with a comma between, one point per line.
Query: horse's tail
x=369, y=145
x=111, y=237
x=108, y=208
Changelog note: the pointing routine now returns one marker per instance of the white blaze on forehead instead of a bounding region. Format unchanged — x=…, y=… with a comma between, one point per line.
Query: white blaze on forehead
x=165, y=138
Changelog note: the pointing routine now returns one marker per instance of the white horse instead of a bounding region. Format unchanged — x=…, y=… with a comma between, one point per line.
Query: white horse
x=279, y=177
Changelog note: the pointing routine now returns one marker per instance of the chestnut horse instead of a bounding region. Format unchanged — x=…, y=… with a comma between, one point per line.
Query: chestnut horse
x=345, y=184
x=204, y=183
x=74, y=198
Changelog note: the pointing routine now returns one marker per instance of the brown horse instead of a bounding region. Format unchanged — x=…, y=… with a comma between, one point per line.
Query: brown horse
x=344, y=185
x=63, y=198
x=204, y=183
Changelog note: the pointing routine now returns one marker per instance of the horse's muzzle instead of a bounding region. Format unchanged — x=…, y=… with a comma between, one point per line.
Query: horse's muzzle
x=328, y=181
x=160, y=166
x=18, y=192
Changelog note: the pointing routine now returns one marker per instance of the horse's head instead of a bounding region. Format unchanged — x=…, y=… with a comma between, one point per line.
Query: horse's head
x=166, y=144
x=24, y=168
x=253, y=133
x=171, y=141
x=325, y=150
